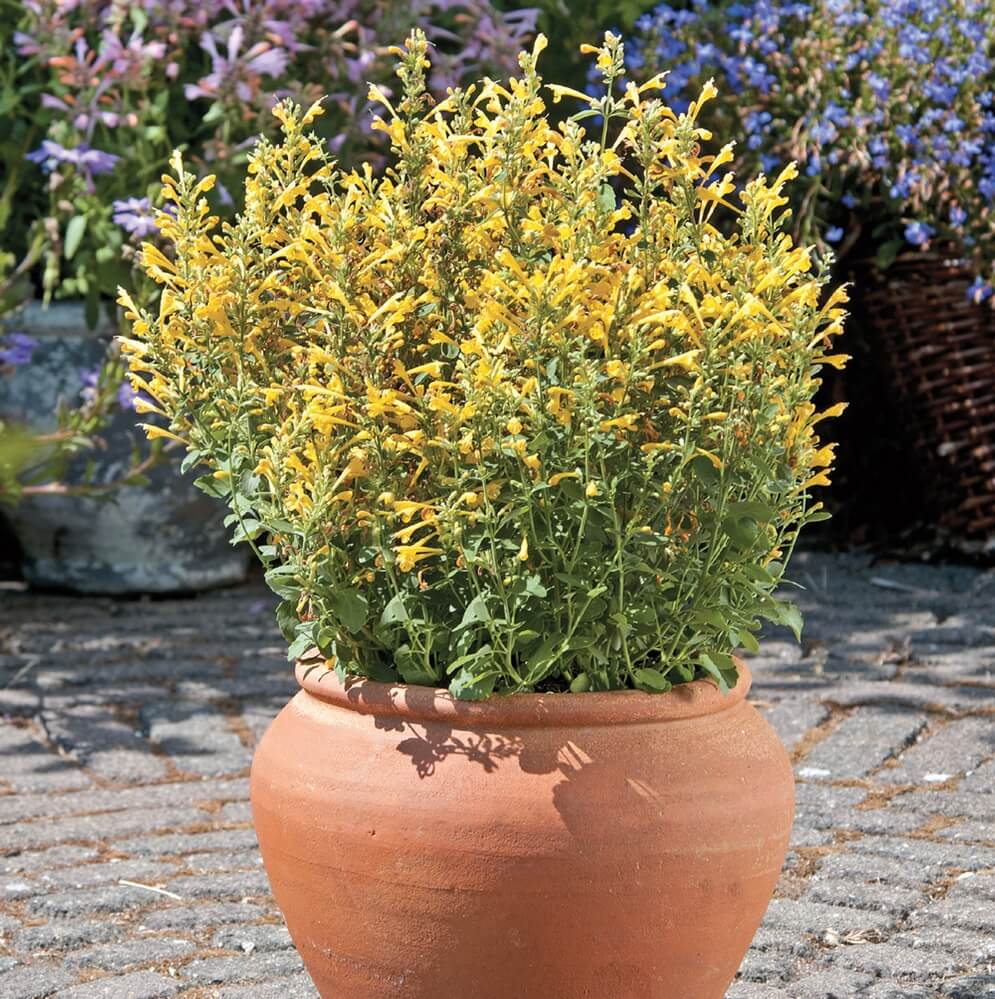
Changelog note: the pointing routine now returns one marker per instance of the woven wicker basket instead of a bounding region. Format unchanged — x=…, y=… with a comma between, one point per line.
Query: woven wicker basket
x=938, y=351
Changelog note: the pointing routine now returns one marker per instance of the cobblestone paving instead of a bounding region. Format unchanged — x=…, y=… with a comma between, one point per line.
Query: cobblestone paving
x=129, y=869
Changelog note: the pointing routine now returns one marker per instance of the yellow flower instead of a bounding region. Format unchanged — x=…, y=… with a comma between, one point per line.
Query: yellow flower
x=591, y=490
x=408, y=556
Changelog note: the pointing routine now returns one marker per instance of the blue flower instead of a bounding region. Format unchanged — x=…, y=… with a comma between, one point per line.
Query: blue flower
x=834, y=234
x=918, y=233
x=979, y=290
x=957, y=215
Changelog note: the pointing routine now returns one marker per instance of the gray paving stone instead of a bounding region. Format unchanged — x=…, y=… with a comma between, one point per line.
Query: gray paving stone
x=834, y=984
x=815, y=917
x=959, y=746
x=794, y=717
x=241, y=884
x=977, y=949
x=173, y=793
x=266, y=936
x=244, y=968
x=222, y=861
x=748, y=990
x=107, y=899
x=137, y=985
x=981, y=780
x=29, y=765
x=46, y=860
x=105, y=826
x=97, y=738
x=950, y=804
x=975, y=987
x=913, y=696
x=111, y=872
x=884, y=960
x=927, y=855
x=130, y=953
x=200, y=915
x=862, y=742
x=180, y=844
x=878, y=897
x=301, y=987
x=196, y=737
x=33, y=981
x=65, y=934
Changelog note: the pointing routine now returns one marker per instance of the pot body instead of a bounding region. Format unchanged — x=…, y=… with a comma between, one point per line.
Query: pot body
x=562, y=846
x=166, y=536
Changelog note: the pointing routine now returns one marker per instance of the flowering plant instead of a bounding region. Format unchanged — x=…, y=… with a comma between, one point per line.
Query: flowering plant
x=888, y=105
x=516, y=415
x=123, y=84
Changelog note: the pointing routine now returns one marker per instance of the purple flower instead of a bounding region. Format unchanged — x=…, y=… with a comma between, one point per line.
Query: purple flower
x=834, y=234
x=91, y=161
x=135, y=216
x=918, y=233
x=17, y=349
x=126, y=395
x=957, y=215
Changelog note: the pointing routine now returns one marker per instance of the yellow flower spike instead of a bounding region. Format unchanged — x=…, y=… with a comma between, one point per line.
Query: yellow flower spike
x=555, y=480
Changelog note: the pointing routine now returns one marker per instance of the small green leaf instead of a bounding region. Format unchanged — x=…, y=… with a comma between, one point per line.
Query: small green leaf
x=74, y=235
x=351, y=608
x=580, y=683
x=395, y=612
x=534, y=587
x=721, y=668
x=651, y=680
x=475, y=613
x=468, y=687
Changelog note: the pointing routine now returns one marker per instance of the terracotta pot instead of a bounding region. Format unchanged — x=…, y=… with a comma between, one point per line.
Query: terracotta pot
x=554, y=846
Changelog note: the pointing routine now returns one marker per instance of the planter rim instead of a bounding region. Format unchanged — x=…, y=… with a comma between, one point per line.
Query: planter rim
x=618, y=707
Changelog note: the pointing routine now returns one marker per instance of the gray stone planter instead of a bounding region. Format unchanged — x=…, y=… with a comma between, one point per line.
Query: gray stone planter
x=164, y=537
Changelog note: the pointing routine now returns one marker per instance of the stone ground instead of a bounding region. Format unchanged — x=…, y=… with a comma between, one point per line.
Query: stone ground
x=129, y=869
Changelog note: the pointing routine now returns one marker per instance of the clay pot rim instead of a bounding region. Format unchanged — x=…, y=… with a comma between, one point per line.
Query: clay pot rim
x=620, y=707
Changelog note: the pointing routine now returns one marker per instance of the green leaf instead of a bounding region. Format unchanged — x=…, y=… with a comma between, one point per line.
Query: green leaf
x=706, y=472
x=218, y=488
x=580, y=683
x=300, y=645
x=395, y=612
x=606, y=198
x=74, y=235
x=282, y=580
x=760, y=512
x=742, y=531
x=534, y=587
x=475, y=613
x=721, y=668
x=651, y=680
x=351, y=608
x=468, y=687
x=786, y=613
x=748, y=641
x=887, y=252
x=190, y=459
